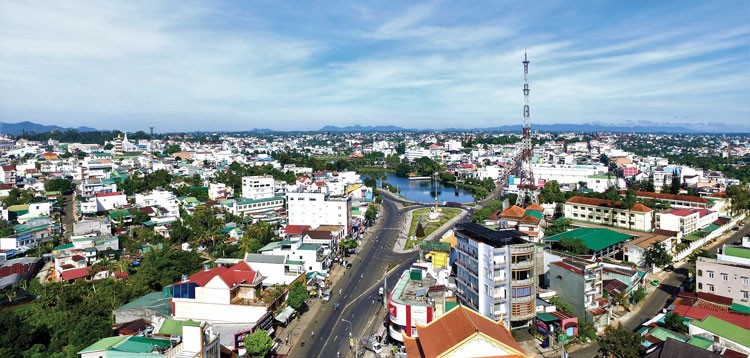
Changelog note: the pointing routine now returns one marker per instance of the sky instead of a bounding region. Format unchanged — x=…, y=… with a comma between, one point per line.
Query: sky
x=300, y=65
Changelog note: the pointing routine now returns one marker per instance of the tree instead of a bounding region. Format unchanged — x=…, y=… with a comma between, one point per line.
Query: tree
x=561, y=305
x=551, y=192
x=160, y=268
x=574, y=246
x=61, y=185
x=558, y=226
x=297, y=296
x=657, y=255
x=371, y=214
x=739, y=196
x=638, y=295
x=628, y=202
x=674, y=188
x=674, y=322
x=620, y=342
x=258, y=344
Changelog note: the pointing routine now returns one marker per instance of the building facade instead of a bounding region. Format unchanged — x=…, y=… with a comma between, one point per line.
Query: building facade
x=316, y=209
x=579, y=284
x=257, y=187
x=727, y=275
x=602, y=211
x=496, y=273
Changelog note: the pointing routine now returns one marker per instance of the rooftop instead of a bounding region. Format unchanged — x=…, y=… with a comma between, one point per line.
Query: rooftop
x=495, y=238
x=594, y=238
x=724, y=329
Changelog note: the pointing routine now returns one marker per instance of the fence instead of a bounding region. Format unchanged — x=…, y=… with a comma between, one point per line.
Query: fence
x=702, y=241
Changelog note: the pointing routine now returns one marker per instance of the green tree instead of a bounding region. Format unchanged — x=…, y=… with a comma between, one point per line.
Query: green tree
x=739, y=196
x=561, y=305
x=297, y=296
x=160, y=268
x=348, y=244
x=638, y=295
x=657, y=255
x=61, y=185
x=628, y=202
x=558, y=226
x=551, y=193
x=675, y=323
x=620, y=342
x=674, y=187
x=574, y=246
x=371, y=214
x=258, y=344
x=419, y=231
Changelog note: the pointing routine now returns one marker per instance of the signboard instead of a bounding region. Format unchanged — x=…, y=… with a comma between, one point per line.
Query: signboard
x=266, y=323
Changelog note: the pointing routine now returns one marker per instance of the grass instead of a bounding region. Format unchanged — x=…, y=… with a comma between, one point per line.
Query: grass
x=429, y=227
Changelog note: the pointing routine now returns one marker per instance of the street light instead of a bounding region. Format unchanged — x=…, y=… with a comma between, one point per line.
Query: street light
x=356, y=351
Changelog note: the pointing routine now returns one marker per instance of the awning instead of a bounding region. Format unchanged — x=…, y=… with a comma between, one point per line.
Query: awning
x=546, y=317
x=285, y=314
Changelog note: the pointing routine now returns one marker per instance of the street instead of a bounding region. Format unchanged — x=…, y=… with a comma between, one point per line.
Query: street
x=359, y=287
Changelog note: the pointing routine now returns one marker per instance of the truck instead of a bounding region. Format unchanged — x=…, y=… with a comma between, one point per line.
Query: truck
x=372, y=343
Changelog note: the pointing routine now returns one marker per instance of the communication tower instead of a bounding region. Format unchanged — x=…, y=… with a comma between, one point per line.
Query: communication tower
x=527, y=190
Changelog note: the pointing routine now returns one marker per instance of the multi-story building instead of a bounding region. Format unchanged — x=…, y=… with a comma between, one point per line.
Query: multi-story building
x=316, y=209
x=685, y=221
x=161, y=198
x=677, y=201
x=244, y=206
x=602, y=211
x=8, y=174
x=579, y=284
x=419, y=297
x=257, y=187
x=496, y=273
x=727, y=275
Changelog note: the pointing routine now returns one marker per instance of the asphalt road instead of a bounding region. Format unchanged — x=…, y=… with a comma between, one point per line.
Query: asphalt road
x=358, y=290
x=667, y=289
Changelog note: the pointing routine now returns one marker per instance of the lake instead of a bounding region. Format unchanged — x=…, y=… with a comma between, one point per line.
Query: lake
x=423, y=190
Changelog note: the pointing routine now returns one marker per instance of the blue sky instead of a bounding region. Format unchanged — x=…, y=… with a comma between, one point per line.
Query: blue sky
x=303, y=64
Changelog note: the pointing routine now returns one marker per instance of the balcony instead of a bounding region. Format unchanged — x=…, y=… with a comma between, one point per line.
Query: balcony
x=526, y=282
x=521, y=265
x=522, y=249
x=523, y=299
x=499, y=279
x=498, y=299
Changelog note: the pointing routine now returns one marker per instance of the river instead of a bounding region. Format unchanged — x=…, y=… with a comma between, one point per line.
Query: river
x=423, y=190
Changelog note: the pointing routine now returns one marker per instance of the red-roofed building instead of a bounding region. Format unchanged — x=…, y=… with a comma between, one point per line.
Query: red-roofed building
x=8, y=174
x=602, y=211
x=294, y=230
x=220, y=294
x=685, y=221
x=675, y=200
x=700, y=313
x=74, y=274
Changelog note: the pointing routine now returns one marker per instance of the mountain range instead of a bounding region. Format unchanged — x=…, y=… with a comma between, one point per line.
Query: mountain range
x=589, y=128
x=28, y=127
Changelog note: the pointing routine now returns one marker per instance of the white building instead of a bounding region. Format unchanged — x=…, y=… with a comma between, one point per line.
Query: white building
x=316, y=209
x=602, y=211
x=495, y=273
x=257, y=187
x=453, y=145
x=161, y=198
x=109, y=201
x=416, y=153
x=566, y=174
x=218, y=191
x=685, y=221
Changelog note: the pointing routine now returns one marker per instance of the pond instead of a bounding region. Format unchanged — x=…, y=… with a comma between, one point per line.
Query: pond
x=424, y=190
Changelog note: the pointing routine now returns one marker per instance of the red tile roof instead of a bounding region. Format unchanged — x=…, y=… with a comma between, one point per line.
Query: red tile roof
x=514, y=211
x=606, y=203
x=681, y=212
x=715, y=298
x=676, y=197
x=295, y=229
x=536, y=207
x=568, y=267
x=640, y=208
x=75, y=273
x=114, y=193
x=454, y=328
x=241, y=273
x=668, y=233
x=700, y=313
x=202, y=277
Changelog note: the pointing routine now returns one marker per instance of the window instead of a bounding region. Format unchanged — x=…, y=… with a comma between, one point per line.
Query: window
x=724, y=277
x=745, y=280
x=710, y=274
x=700, y=286
x=486, y=290
x=711, y=288
x=700, y=273
x=745, y=295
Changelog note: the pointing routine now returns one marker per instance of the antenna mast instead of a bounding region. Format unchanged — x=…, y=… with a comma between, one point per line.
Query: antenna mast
x=527, y=188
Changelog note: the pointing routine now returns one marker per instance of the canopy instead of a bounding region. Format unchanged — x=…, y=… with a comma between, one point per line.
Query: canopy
x=285, y=314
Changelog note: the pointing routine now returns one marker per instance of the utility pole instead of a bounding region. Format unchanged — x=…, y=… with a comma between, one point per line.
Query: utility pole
x=351, y=339
x=385, y=289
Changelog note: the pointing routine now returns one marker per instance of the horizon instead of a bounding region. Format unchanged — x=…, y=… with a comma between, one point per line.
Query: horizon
x=185, y=67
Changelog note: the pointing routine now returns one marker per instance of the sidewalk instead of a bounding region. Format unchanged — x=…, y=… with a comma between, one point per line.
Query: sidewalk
x=290, y=335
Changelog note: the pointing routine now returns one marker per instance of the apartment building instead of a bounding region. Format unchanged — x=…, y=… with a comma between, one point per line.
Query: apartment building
x=316, y=209
x=8, y=174
x=496, y=273
x=579, y=284
x=257, y=187
x=727, y=275
x=602, y=211
x=161, y=198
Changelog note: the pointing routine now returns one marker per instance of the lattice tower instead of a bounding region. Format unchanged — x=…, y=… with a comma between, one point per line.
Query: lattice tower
x=527, y=190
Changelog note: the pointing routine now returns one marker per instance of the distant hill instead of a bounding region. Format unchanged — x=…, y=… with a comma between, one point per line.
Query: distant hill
x=359, y=128
x=588, y=128
x=29, y=127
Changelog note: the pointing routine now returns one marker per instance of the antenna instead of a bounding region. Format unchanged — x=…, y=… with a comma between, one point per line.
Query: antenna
x=527, y=187
x=151, y=128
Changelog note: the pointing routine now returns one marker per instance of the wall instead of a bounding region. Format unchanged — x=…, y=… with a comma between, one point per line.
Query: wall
x=187, y=309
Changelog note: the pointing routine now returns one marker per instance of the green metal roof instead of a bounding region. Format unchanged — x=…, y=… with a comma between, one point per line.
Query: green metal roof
x=662, y=334
x=546, y=317
x=308, y=247
x=739, y=308
x=594, y=238
x=174, y=327
x=154, y=300
x=535, y=213
x=140, y=345
x=737, y=252
x=449, y=305
x=724, y=329
x=63, y=247
x=104, y=344
x=271, y=245
x=293, y=262
x=711, y=228
x=700, y=342
x=435, y=246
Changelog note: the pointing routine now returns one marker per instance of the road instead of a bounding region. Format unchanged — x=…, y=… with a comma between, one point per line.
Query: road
x=358, y=290
x=669, y=287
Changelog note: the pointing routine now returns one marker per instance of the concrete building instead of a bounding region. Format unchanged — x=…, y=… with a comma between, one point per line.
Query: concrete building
x=316, y=209
x=727, y=275
x=677, y=201
x=685, y=221
x=634, y=250
x=8, y=174
x=496, y=273
x=569, y=175
x=258, y=187
x=579, y=284
x=244, y=206
x=161, y=198
x=418, y=297
x=602, y=211
x=308, y=257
